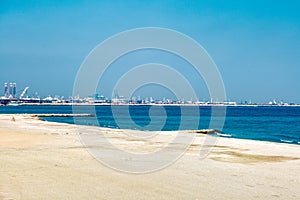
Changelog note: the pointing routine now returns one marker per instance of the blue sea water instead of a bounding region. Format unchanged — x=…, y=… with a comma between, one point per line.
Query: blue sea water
x=266, y=123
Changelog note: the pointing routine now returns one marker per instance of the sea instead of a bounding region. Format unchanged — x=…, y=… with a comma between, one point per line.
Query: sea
x=266, y=123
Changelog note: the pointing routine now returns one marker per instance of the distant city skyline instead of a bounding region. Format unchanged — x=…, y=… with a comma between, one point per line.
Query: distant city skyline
x=255, y=44
x=11, y=93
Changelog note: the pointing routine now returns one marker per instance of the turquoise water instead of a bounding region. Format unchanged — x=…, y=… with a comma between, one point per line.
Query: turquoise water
x=268, y=123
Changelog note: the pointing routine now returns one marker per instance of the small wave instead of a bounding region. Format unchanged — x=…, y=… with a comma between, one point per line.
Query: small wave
x=287, y=141
x=224, y=135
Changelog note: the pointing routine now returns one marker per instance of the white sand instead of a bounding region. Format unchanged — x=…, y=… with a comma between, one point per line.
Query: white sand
x=43, y=160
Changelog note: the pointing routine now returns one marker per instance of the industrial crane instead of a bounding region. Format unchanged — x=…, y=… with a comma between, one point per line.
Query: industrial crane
x=24, y=92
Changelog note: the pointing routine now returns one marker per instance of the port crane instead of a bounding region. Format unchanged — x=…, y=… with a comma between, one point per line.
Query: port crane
x=24, y=92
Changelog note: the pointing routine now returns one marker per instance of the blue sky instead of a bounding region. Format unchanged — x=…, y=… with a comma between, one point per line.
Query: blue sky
x=255, y=44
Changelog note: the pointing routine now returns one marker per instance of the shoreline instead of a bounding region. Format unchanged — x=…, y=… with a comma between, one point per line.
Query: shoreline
x=204, y=131
x=198, y=133
x=46, y=160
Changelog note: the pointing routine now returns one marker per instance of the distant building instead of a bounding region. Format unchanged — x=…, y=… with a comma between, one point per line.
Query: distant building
x=10, y=90
x=14, y=91
x=5, y=90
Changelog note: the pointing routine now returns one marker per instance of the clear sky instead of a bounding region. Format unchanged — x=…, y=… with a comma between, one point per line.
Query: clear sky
x=255, y=44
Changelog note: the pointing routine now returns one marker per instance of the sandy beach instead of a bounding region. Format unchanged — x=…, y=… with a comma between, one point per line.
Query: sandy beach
x=46, y=160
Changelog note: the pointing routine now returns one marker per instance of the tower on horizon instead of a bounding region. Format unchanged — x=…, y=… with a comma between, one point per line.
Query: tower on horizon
x=14, y=92
x=10, y=90
x=5, y=90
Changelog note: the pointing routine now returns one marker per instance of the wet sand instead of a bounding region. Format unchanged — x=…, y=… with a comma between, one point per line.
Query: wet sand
x=46, y=160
